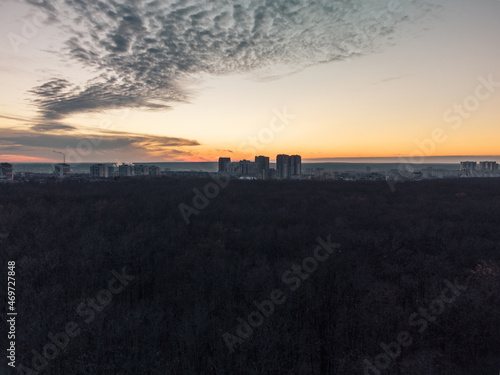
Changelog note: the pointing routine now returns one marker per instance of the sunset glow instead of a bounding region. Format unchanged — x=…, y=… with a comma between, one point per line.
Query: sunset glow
x=381, y=97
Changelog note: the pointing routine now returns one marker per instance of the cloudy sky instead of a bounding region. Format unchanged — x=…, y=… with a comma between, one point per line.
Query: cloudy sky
x=158, y=80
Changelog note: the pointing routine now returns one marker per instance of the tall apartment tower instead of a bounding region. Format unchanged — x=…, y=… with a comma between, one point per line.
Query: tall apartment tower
x=262, y=166
x=126, y=170
x=283, y=166
x=468, y=166
x=141, y=170
x=99, y=171
x=154, y=170
x=113, y=170
x=295, y=165
x=223, y=162
x=488, y=166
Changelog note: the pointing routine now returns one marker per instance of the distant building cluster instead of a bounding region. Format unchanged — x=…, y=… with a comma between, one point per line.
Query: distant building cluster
x=6, y=172
x=123, y=170
x=484, y=166
x=287, y=167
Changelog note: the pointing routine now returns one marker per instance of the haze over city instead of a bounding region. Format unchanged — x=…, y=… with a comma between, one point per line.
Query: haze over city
x=193, y=81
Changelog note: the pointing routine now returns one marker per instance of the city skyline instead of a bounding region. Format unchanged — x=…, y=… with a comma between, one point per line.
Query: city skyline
x=285, y=167
x=190, y=82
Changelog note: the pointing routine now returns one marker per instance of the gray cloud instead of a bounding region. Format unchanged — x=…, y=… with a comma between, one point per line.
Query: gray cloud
x=144, y=50
x=51, y=127
x=99, y=141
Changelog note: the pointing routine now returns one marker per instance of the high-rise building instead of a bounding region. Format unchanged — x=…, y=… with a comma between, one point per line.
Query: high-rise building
x=154, y=170
x=223, y=163
x=99, y=171
x=468, y=166
x=283, y=166
x=113, y=170
x=62, y=170
x=141, y=170
x=247, y=167
x=288, y=166
x=262, y=166
x=295, y=165
x=6, y=171
x=126, y=170
x=488, y=166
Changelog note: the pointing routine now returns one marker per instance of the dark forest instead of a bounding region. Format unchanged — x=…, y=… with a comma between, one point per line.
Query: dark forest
x=111, y=280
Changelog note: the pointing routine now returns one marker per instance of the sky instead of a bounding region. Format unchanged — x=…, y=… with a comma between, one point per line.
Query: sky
x=151, y=80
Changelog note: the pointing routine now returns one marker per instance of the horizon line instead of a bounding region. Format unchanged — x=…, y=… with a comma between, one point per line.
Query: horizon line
x=347, y=160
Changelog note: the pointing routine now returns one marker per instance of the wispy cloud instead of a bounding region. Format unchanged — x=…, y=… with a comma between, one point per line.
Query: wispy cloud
x=389, y=79
x=15, y=118
x=145, y=50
